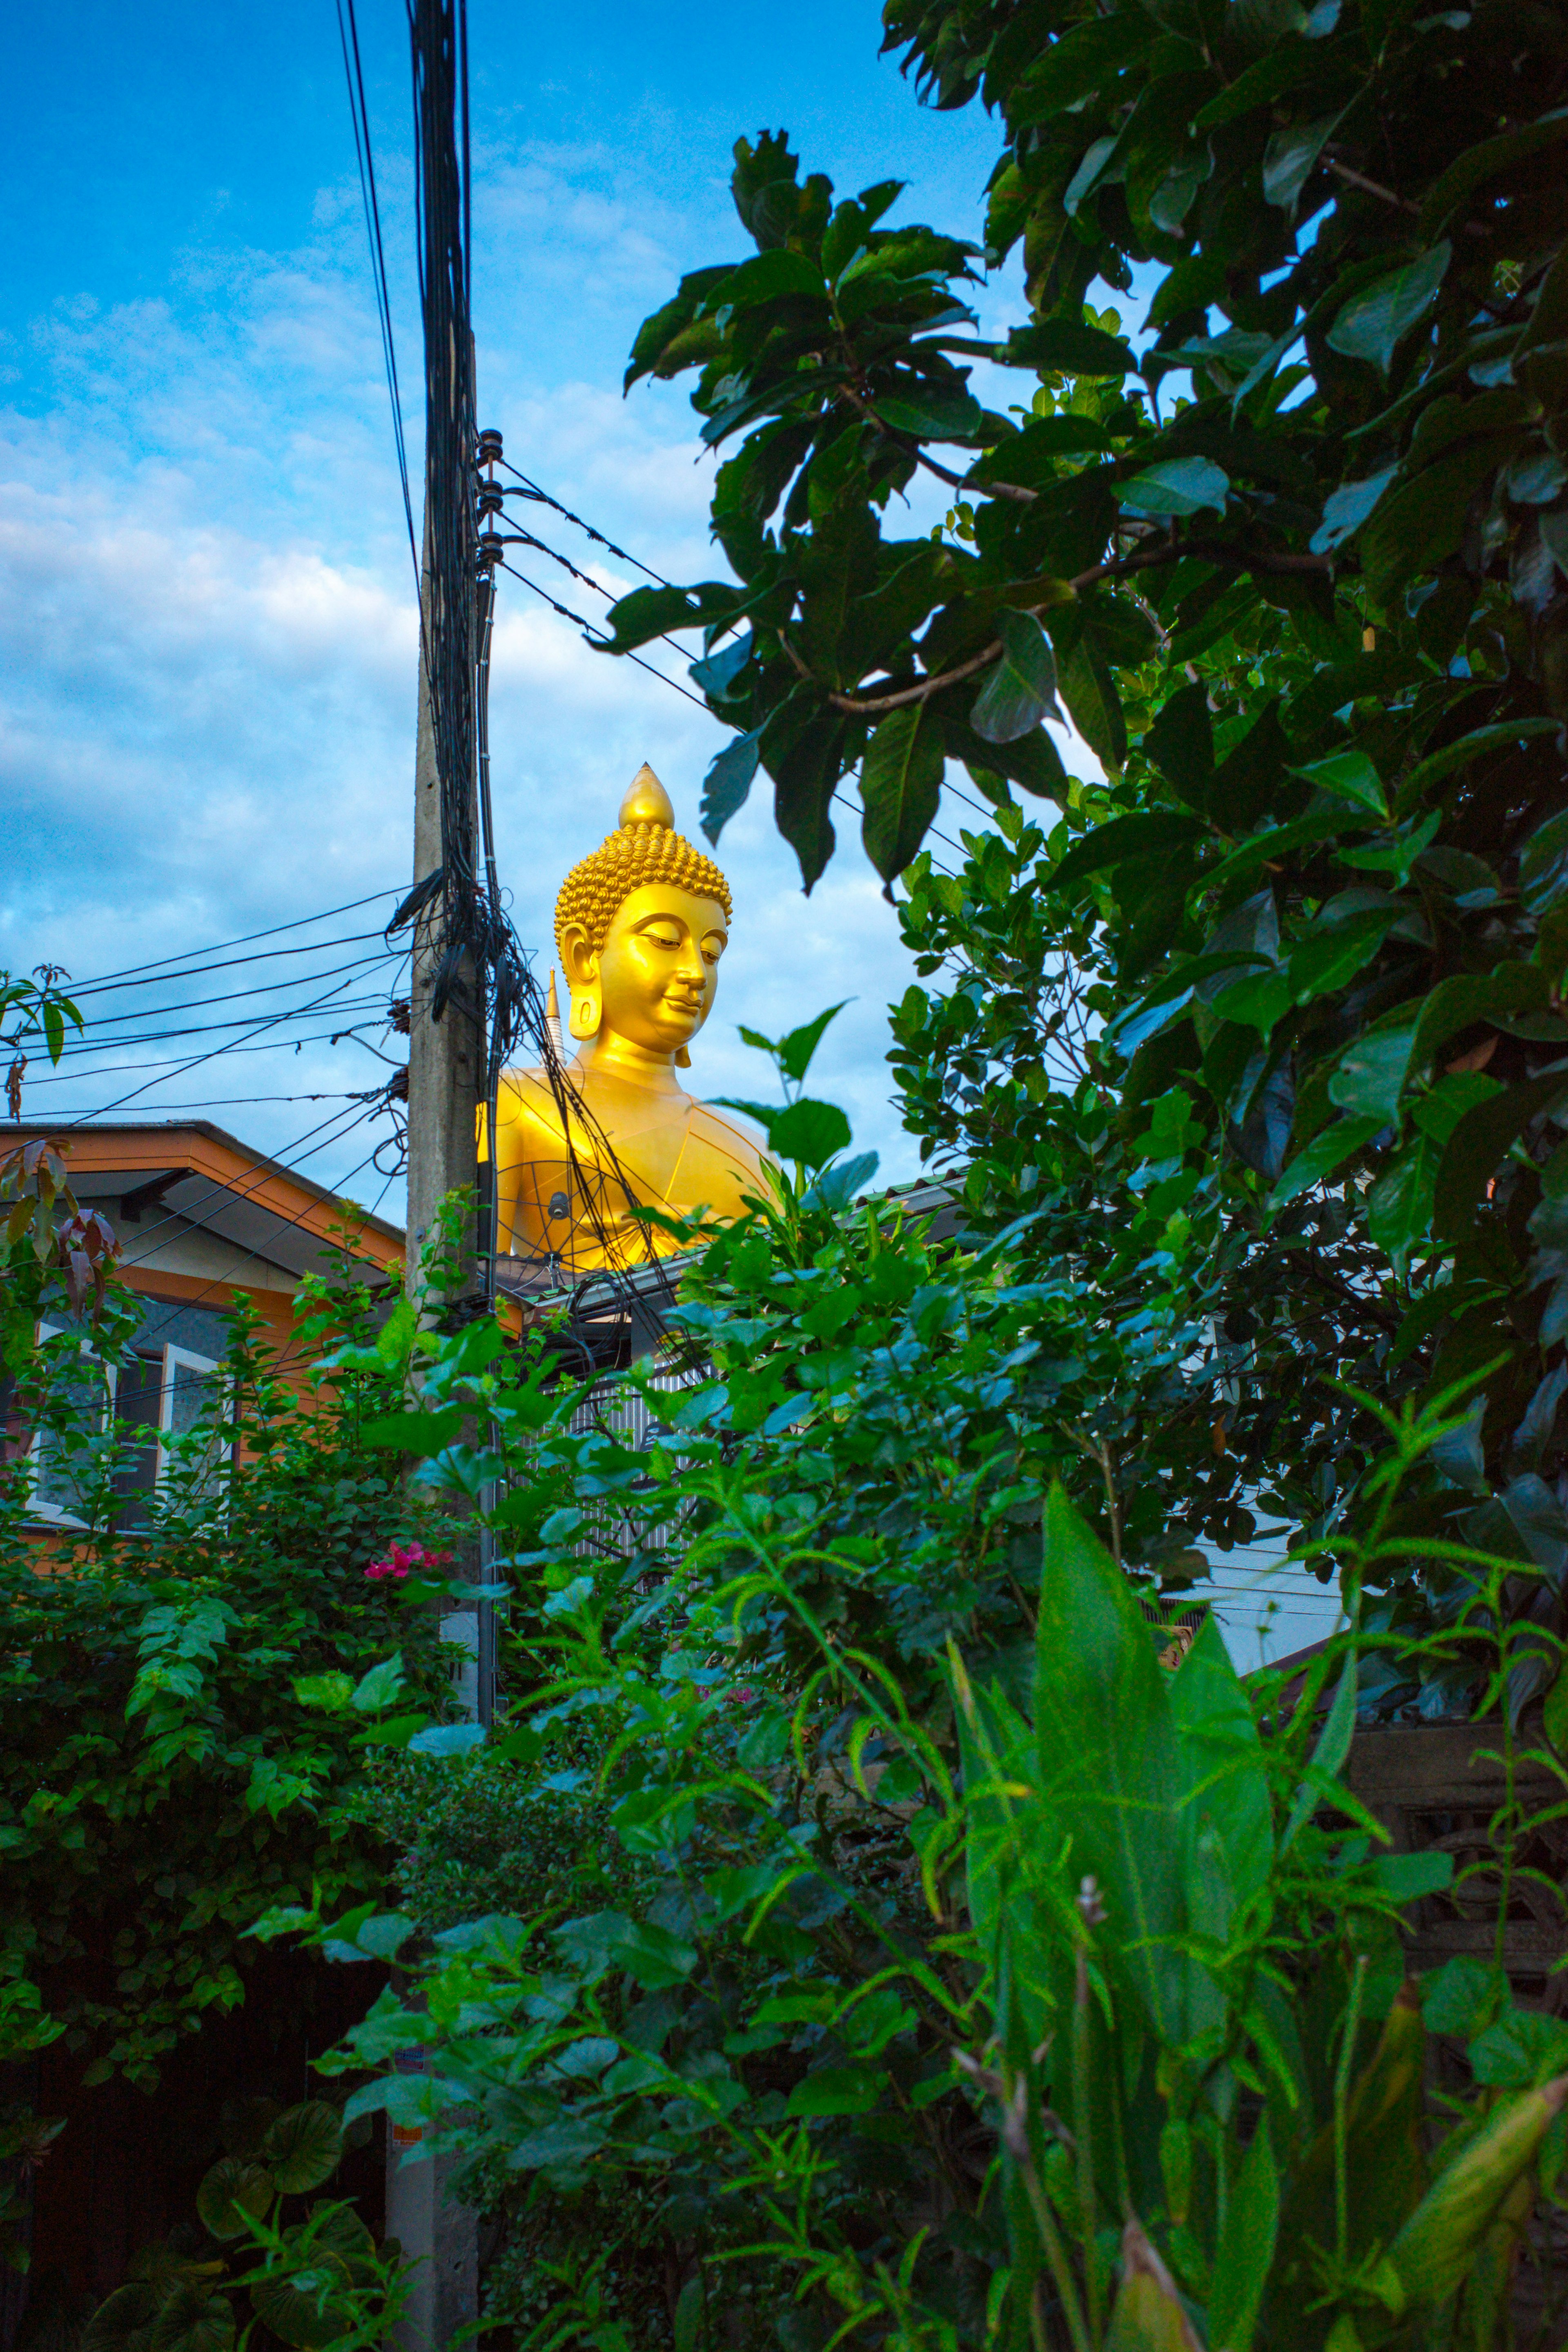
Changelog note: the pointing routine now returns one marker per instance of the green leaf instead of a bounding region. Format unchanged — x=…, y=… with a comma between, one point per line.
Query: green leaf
x=1399, y=1206
x=1224, y=1778
x=1246, y=2247
x=1350, y=776
x=1373, y=323
x=334, y=1691
x=1346, y=509
x=728, y=783
x=124, y=2322
x=1330, y=956
x=1521, y=2051
x=900, y=786
x=1478, y=1145
x=1329, y=1149
x=1181, y=743
x=836, y=2091
x=420, y=1433
x=1405, y=1877
x=608, y=1940
x=1125, y=837
x=448, y=1740
x=1176, y=486
x=1062, y=346
x=1370, y=1076
x=380, y=1687
x=234, y=2189
x=933, y=413
x=1555, y=1714
x=1543, y=866
x=809, y=1132
x=193, y=2320
x=1021, y=688
x=1110, y=1774
x=763, y=278
x=1487, y=159
x=1328, y=1756
x=1463, y=1995
x=689, y=2311
x=565, y=2144
x=1287, y=162
x=297, y=2305
x=303, y=2146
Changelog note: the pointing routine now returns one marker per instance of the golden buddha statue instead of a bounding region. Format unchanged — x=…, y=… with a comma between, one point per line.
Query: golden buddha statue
x=640, y=926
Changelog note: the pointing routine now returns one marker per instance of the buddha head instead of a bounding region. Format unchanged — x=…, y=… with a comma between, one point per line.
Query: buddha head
x=640, y=926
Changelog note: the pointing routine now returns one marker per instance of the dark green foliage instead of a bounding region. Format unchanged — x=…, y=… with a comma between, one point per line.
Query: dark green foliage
x=166, y=1775
x=319, y=2280
x=1296, y=569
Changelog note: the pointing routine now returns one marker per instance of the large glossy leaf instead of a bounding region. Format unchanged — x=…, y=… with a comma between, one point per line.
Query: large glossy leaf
x=900, y=786
x=1064, y=344
x=810, y=1132
x=1373, y=323
x=193, y=2320
x=728, y=783
x=305, y=2308
x=1110, y=1769
x=1371, y=1073
x=304, y=2146
x=125, y=2321
x=1176, y=486
x=234, y=2187
x=1020, y=688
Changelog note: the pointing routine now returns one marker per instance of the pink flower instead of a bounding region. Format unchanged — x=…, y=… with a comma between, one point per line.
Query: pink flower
x=403, y=1559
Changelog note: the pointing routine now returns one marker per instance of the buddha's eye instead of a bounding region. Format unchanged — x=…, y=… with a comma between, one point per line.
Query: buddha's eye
x=663, y=935
x=713, y=947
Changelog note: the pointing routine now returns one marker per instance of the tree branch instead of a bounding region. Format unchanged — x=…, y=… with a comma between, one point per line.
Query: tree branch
x=1144, y=559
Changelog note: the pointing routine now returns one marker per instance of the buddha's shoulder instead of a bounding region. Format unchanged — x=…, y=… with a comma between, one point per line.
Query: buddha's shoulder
x=716, y=1128
x=529, y=1095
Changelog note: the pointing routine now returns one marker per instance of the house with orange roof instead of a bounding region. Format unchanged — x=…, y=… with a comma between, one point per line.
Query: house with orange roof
x=203, y=1221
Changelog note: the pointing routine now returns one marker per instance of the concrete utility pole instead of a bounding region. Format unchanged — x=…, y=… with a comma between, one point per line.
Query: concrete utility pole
x=445, y=1058
x=446, y=1067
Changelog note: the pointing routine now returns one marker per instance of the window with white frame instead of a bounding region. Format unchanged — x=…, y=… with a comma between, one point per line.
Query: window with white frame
x=156, y=1397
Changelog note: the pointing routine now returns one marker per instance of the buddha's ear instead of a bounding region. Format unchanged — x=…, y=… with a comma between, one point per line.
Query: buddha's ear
x=578, y=956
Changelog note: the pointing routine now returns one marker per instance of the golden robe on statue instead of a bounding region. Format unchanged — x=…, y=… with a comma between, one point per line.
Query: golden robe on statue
x=640, y=926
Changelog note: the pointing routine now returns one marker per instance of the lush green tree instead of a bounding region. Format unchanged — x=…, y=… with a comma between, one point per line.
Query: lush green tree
x=1294, y=565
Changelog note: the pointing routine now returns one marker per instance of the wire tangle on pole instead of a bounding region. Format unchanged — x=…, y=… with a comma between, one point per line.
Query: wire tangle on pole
x=438, y=43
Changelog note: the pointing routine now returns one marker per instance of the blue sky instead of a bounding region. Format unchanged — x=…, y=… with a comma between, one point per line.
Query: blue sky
x=206, y=595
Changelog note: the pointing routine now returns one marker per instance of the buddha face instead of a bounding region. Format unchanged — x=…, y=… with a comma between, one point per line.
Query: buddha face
x=657, y=974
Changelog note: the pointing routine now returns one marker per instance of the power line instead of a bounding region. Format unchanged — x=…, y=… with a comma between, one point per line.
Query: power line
x=345, y=1126
x=274, y=1045
x=272, y=931
x=591, y=633
x=214, y=1028
x=359, y=114
x=237, y=995
x=531, y=490
x=153, y=979
x=197, y=1060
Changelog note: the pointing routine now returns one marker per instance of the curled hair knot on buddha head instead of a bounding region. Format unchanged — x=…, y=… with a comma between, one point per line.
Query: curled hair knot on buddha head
x=643, y=848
